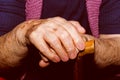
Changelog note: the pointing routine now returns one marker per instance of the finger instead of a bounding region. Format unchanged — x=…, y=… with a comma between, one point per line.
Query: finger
x=43, y=63
x=44, y=58
x=67, y=42
x=64, y=37
x=72, y=31
x=41, y=45
x=78, y=26
x=55, y=44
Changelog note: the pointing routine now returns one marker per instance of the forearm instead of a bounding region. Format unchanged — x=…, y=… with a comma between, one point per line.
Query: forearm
x=11, y=51
x=107, y=50
x=14, y=45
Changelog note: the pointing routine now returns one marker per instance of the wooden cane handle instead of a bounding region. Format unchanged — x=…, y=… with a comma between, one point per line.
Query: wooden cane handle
x=89, y=48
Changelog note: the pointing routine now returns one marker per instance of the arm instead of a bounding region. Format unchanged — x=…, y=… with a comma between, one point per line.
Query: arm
x=14, y=45
x=12, y=50
x=106, y=49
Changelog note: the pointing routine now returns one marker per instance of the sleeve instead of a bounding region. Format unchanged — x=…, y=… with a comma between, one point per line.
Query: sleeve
x=11, y=14
x=109, y=17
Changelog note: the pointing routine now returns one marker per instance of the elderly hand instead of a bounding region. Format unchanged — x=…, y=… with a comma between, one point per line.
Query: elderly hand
x=56, y=38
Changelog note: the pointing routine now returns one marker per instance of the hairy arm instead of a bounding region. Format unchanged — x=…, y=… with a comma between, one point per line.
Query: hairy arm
x=10, y=50
x=107, y=49
x=14, y=45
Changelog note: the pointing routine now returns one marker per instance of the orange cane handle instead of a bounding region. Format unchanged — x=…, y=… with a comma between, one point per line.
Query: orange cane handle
x=89, y=48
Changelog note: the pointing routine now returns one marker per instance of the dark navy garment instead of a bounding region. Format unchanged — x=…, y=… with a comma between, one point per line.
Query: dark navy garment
x=110, y=17
x=12, y=13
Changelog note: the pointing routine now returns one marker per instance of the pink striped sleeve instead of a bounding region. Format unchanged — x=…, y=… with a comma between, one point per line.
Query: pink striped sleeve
x=33, y=9
x=93, y=15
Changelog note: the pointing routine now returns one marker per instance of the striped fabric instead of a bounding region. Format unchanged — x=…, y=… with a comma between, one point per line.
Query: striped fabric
x=33, y=9
x=93, y=15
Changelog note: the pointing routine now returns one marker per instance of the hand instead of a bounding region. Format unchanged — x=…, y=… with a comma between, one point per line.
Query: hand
x=56, y=38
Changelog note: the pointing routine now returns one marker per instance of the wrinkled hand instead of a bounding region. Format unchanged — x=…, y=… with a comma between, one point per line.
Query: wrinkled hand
x=56, y=38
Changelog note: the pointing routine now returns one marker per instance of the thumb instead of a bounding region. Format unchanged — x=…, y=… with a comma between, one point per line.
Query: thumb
x=43, y=63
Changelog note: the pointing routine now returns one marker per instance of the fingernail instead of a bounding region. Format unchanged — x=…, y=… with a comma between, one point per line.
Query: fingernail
x=73, y=55
x=64, y=59
x=81, y=46
x=57, y=59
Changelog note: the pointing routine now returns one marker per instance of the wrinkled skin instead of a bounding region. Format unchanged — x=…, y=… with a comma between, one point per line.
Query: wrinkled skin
x=56, y=38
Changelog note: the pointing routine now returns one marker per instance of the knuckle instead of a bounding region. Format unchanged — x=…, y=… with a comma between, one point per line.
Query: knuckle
x=53, y=57
x=43, y=50
x=32, y=35
x=70, y=49
x=47, y=21
x=71, y=27
x=76, y=22
x=54, y=40
x=77, y=41
x=58, y=17
x=35, y=31
x=50, y=22
x=29, y=21
x=64, y=35
x=32, y=32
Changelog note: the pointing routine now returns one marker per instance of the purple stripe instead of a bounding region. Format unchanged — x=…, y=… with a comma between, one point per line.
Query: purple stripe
x=33, y=9
x=93, y=15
